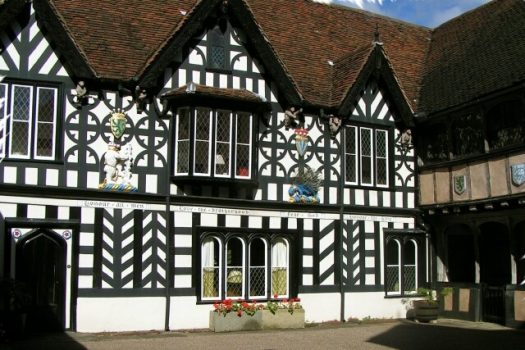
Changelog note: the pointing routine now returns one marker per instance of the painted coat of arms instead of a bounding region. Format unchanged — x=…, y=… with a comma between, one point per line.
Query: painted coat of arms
x=460, y=184
x=117, y=123
x=518, y=174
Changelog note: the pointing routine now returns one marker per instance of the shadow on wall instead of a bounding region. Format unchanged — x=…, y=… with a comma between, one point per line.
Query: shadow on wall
x=413, y=336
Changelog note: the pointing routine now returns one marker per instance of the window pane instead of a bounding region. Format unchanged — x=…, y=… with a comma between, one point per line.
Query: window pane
x=351, y=154
x=222, y=145
x=20, y=138
x=410, y=266
x=46, y=108
x=257, y=269
x=210, y=257
x=381, y=157
x=21, y=117
x=366, y=156
x=218, y=57
x=22, y=102
x=235, y=268
x=280, y=268
x=44, y=142
x=243, y=150
x=3, y=118
x=183, y=142
x=202, y=141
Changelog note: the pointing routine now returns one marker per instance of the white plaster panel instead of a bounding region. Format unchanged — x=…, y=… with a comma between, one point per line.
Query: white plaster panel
x=308, y=242
x=52, y=177
x=182, y=260
x=233, y=221
x=374, y=305
x=36, y=211
x=120, y=314
x=321, y=307
x=10, y=174
x=209, y=219
x=182, y=281
x=369, y=226
x=183, y=219
x=85, y=260
x=85, y=282
x=386, y=199
x=181, y=307
x=359, y=197
x=183, y=241
x=308, y=261
x=369, y=244
x=399, y=199
x=31, y=176
x=275, y=223
x=255, y=222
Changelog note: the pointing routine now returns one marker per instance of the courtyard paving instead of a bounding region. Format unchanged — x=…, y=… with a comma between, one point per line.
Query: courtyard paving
x=402, y=335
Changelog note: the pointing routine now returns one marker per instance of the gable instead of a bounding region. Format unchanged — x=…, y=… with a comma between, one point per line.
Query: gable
x=27, y=54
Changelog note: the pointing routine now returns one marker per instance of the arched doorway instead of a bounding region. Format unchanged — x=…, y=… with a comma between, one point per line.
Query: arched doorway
x=495, y=269
x=41, y=266
x=461, y=256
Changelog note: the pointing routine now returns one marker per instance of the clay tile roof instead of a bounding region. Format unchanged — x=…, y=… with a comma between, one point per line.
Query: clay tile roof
x=346, y=70
x=119, y=37
x=474, y=54
x=208, y=91
x=306, y=35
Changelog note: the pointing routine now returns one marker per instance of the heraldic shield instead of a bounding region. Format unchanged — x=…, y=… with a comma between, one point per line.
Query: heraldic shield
x=518, y=174
x=460, y=184
x=117, y=123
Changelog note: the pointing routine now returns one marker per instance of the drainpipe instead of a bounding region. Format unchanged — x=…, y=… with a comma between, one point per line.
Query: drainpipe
x=169, y=250
x=341, y=230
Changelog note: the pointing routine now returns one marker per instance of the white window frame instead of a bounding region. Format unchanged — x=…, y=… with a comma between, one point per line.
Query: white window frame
x=243, y=268
x=355, y=155
x=376, y=157
x=250, y=145
x=228, y=165
x=186, y=112
x=38, y=122
x=359, y=156
x=287, y=244
x=217, y=241
x=209, y=140
x=213, y=143
x=265, y=242
x=399, y=267
x=33, y=121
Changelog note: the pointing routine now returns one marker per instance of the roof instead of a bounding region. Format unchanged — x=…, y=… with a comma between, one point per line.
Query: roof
x=315, y=52
x=475, y=54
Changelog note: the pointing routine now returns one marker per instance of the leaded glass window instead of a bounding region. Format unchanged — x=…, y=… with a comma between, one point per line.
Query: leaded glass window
x=507, y=124
x=233, y=266
x=244, y=155
x=404, y=259
x=351, y=155
x=366, y=156
x=468, y=135
x=29, y=121
x=182, y=157
x=214, y=143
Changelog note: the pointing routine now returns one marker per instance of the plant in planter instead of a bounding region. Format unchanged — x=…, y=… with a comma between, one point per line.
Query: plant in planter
x=233, y=315
x=427, y=309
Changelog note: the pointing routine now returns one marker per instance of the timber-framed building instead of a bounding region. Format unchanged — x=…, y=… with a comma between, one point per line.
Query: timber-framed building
x=159, y=156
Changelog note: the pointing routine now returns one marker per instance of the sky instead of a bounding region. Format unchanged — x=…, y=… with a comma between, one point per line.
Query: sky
x=428, y=13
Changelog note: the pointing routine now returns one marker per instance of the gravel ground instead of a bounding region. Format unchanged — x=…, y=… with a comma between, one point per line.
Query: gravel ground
x=402, y=335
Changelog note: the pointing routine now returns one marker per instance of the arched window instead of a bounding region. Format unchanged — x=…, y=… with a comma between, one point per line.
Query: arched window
x=258, y=272
x=393, y=267
x=410, y=266
x=211, y=258
x=404, y=256
x=280, y=262
x=235, y=268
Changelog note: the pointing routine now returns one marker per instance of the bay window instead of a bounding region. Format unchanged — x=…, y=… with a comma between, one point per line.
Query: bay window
x=213, y=143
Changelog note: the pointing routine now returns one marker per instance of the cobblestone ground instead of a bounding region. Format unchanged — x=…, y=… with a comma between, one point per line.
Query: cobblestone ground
x=403, y=335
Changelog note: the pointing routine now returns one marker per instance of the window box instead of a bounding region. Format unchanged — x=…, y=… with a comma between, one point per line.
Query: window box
x=262, y=319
